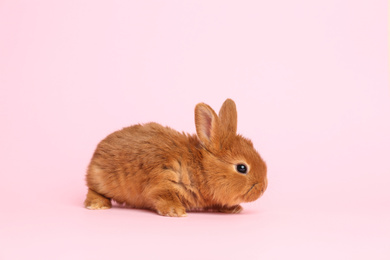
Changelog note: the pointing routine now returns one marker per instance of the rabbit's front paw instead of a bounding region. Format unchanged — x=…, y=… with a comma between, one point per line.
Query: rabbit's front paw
x=172, y=212
x=233, y=210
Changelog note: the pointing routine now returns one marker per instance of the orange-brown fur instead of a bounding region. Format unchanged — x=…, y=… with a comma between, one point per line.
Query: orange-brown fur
x=155, y=167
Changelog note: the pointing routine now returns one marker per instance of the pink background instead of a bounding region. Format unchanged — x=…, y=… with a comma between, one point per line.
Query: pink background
x=311, y=83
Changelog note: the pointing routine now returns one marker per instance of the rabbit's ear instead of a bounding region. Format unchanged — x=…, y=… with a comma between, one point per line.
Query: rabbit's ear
x=207, y=125
x=228, y=117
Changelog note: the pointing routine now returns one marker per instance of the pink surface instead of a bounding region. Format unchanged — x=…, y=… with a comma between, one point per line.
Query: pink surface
x=310, y=79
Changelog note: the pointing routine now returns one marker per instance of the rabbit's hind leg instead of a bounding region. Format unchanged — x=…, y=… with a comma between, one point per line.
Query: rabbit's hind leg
x=95, y=200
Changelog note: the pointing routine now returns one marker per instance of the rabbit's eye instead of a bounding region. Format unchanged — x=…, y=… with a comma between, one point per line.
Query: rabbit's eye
x=242, y=168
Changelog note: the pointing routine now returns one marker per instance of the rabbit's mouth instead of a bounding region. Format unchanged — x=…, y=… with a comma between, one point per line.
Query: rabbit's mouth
x=251, y=188
x=253, y=193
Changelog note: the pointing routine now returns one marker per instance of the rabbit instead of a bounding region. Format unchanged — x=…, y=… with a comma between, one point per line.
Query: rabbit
x=154, y=167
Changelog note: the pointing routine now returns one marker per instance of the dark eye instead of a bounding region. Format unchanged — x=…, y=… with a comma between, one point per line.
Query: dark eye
x=242, y=168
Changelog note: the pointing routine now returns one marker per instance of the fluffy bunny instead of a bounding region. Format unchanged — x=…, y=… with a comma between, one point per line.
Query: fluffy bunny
x=155, y=167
